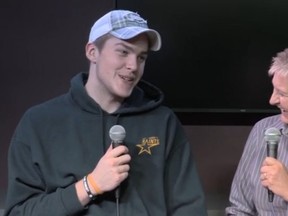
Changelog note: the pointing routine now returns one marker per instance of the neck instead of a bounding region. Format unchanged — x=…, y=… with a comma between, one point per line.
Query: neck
x=106, y=101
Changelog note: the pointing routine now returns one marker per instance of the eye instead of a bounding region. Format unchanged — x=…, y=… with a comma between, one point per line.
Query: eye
x=125, y=52
x=283, y=94
x=142, y=58
x=280, y=93
x=122, y=52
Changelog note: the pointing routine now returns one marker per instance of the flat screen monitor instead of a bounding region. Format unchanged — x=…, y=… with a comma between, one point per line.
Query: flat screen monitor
x=216, y=54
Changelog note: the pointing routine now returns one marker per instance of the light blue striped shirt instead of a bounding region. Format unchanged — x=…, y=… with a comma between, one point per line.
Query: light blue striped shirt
x=248, y=196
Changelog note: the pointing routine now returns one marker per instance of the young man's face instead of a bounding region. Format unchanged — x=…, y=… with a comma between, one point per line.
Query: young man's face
x=120, y=65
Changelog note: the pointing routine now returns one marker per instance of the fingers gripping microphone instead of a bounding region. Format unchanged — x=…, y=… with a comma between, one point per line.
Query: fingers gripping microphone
x=117, y=134
x=272, y=137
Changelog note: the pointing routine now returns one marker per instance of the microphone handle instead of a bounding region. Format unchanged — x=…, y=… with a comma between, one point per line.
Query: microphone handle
x=116, y=143
x=271, y=152
x=270, y=195
x=117, y=190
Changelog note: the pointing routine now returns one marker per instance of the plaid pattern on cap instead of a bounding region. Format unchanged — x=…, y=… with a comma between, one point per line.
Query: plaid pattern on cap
x=124, y=25
x=128, y=20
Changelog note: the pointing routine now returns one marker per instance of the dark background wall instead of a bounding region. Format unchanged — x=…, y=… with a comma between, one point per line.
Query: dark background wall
x=42, y=47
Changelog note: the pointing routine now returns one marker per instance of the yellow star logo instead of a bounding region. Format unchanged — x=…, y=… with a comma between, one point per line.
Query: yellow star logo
x=147, y=144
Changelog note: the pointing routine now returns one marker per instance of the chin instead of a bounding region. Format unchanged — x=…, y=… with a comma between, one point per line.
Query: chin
x=126, y=94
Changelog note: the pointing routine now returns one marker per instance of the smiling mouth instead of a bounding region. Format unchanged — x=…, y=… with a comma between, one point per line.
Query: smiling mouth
x=126, y=78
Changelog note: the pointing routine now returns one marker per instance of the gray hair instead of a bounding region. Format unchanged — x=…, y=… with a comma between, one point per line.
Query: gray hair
x=279, y=63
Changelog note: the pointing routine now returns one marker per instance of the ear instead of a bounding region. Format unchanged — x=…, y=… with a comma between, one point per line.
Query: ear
x=91, y=52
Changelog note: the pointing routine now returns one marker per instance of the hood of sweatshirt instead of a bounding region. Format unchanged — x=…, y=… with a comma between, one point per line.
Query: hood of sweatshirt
x=144, y=97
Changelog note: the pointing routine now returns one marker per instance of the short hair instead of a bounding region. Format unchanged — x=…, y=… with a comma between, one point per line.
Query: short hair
x=99, y=43
x=279, y=63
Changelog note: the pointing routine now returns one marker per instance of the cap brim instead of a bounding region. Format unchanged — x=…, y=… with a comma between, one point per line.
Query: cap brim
x=131, y=32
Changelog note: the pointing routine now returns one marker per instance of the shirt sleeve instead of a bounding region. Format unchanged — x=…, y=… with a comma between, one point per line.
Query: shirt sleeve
x=242, y=189
x=27, y=194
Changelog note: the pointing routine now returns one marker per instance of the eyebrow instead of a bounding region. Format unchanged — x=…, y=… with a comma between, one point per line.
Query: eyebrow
x=130, y=48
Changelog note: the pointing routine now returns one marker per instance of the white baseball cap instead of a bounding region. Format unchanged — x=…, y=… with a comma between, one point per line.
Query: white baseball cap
x=124, y=24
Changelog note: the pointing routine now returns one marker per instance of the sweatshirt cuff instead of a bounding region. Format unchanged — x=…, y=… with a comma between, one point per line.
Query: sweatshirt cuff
x=70, y=200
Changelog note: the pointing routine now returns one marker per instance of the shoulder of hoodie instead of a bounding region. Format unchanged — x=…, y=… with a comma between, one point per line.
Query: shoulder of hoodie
x=54, y=107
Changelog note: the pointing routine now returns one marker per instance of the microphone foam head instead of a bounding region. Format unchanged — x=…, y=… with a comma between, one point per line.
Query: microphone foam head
x=117, y=133
x=272, y=135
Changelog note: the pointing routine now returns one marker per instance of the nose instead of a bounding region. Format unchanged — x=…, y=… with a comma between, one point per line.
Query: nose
x=132, y=63
x=274, y=99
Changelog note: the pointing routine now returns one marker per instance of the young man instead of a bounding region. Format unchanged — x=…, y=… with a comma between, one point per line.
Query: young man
x=260, y=184
x=61, y=160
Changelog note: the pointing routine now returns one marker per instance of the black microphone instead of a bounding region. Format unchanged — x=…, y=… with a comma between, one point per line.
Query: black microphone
x=117, y=134
x=272, y=137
